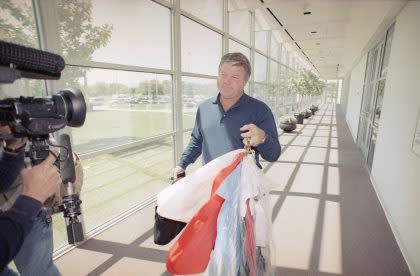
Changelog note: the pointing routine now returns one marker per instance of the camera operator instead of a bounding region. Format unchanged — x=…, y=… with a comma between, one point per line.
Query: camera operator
x=19, y=222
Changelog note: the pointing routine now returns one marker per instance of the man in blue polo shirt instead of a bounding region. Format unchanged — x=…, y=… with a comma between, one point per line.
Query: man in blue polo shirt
x=224, y=122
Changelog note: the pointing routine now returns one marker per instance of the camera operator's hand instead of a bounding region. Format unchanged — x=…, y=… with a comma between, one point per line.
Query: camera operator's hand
x=42, y=180
x=12, y=145
x=177, y=173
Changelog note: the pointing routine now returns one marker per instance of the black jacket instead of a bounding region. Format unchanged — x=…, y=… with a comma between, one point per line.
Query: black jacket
x=16, y=223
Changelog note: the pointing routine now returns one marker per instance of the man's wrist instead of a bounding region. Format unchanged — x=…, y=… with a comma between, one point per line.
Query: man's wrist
x=14, y=150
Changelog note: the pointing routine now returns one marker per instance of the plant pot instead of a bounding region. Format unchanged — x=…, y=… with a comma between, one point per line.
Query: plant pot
x=299, y=117
x=313, y=111
x=307, y=114
x=287, y=127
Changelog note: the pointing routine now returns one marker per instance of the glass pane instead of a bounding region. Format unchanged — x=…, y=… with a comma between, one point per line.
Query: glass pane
x=17, y=23
x=236, y=47
x=194, y=91
x=261, y=41
x=115, y=182
x=122, y=106
x=201, y=48
x=134, y=33
x=274, y=47
x=378, y=107
x=371, y=149
x=240, y=25
x=23, y=87
x=210, y=11
x=284, y=56
x=274, y=74
x=388, y=45
x=260, y=68
x=260, y=92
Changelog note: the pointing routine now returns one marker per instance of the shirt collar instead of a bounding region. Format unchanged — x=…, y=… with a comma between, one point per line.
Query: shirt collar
x=242, y=100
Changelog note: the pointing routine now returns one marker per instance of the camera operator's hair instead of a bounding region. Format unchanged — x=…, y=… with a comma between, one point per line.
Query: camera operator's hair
x=237, y=59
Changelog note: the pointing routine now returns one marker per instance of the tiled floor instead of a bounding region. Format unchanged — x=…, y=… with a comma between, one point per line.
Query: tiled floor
x=327, y=219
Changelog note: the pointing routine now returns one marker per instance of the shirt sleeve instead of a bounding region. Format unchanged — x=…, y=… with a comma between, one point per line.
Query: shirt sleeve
x=15, y=225
x=10, y=167
x=269, y=150
x=194, y=148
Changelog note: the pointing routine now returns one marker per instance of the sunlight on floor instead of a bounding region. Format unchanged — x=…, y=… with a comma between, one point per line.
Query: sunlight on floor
x=308, y=179
x=330, y=256
x=333, y=182
x=297, y=215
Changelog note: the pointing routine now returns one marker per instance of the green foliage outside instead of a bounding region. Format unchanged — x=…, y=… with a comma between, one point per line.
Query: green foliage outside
x=78, y=36
x=306, y=83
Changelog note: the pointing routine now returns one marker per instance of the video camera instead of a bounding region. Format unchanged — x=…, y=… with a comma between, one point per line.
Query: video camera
x=37, y=118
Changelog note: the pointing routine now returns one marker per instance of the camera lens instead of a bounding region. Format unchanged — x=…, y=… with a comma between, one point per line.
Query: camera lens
x=74, y=106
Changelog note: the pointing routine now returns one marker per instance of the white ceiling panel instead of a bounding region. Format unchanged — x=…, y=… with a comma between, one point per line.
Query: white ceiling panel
x=344, y=28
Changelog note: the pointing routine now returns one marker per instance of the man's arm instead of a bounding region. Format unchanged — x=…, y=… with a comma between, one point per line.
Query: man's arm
x=270, y=149
x=10, y=166
x=15, y=224
x=11, y=158
x=193, y=150
x=39, y=182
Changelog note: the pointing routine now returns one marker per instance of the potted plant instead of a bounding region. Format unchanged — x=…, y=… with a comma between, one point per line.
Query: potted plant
x=308, y=113
x=299, y=117
x=287, y=123
x=314, y=108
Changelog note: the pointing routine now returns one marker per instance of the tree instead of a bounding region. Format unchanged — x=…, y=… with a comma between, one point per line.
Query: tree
x=79, y=37
x=306, y=83
x=17, y=23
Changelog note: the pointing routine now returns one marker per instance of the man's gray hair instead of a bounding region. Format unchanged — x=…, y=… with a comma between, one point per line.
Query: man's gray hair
x=237, y=59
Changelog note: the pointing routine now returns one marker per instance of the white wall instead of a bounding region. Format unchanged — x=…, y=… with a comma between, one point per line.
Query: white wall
x=355, y=96
x=345, y=87
x=396, y=169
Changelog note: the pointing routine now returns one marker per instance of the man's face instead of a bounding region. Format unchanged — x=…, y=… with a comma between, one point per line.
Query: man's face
x=231, y=81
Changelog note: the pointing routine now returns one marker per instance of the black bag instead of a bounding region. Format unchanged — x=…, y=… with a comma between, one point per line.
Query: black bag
x=165, y=229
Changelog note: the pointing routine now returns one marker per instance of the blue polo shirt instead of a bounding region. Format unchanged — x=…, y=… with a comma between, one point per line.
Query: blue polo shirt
x=216, y=132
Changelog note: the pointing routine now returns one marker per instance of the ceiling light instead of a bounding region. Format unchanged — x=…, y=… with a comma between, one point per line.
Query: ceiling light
x=306, y=13
x=313, y=32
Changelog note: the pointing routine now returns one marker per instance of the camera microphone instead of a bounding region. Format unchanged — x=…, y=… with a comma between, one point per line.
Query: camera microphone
x=29, y=62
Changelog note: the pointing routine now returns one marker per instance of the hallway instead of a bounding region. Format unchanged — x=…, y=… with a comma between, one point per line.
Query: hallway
x=327, y=219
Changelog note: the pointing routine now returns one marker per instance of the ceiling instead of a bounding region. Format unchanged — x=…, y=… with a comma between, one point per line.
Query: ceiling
x=335, y=34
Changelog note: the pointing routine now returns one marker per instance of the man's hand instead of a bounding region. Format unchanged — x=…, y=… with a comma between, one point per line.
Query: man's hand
x=253, y=134
x=12, y=144
x=41, y=181
x=176, y=174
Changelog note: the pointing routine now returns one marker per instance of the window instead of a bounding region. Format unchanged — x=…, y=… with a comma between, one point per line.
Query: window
x=388, y=43
x=261, y=38
x=274, y=72
x=118, y=181
x=275, y=45
x=236, y=47
x=210, y=11
x=123, y=106
x=201, y=48
x=240, y=25
x=138, y=34
x=260, y=68
x=18, y=23
x=195, y=91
